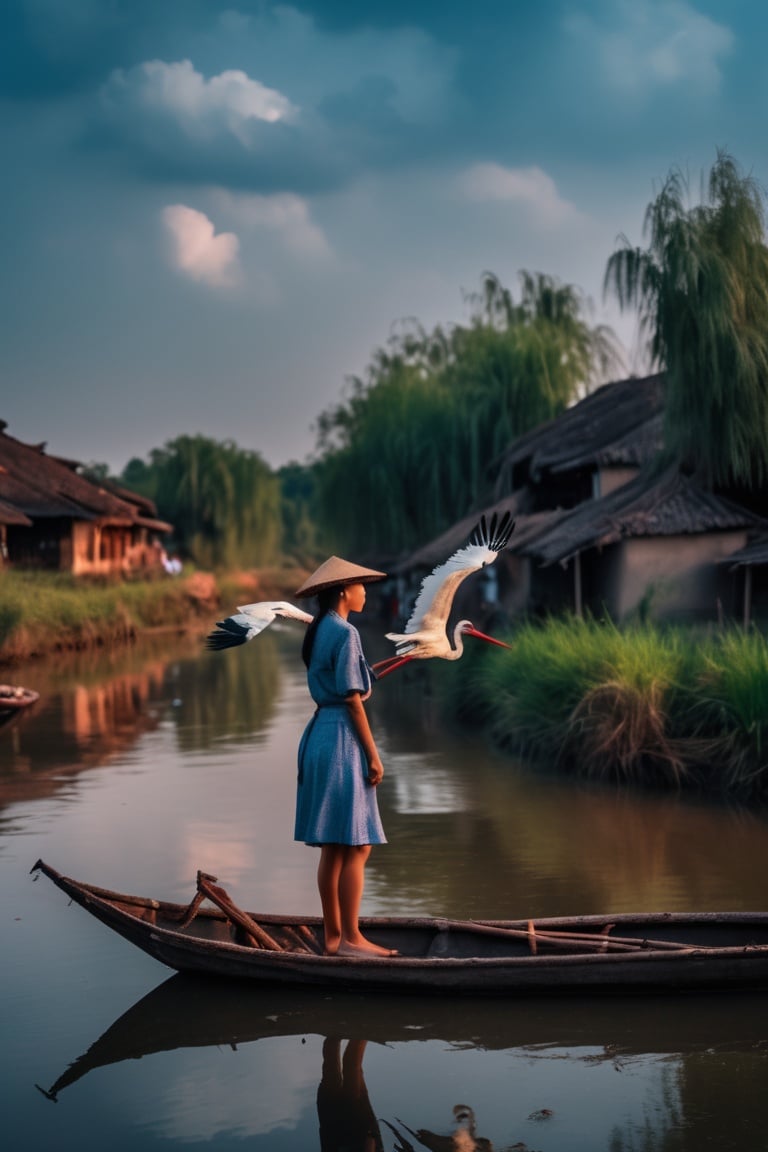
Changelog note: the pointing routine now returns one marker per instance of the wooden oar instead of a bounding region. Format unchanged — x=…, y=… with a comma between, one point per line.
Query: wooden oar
x=297, y=941
x=576, y=941
x=600, y=940
x=566, y=934
x=206, y=884
x=192, y=909
x=609, y=943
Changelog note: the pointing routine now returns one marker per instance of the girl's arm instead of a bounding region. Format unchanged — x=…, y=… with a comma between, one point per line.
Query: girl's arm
x=354, y=703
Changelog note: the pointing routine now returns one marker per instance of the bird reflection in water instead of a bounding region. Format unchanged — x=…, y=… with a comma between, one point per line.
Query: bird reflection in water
x=462, y=1139
x=347, y=1121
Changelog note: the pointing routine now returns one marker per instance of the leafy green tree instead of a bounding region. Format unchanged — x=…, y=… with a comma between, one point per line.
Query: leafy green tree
x=297, y=495
x=413, y=446
x=701, y=291
x=223, y=502
x=140, y=477
x=95, y=471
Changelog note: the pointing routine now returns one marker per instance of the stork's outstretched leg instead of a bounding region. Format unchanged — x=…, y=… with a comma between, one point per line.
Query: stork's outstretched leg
x=384, y=667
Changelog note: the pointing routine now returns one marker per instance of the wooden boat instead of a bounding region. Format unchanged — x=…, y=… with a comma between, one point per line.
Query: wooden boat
x=648, y=952
x=13, y=697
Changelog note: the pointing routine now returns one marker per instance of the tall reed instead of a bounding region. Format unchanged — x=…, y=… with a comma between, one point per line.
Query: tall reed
x=644, y=704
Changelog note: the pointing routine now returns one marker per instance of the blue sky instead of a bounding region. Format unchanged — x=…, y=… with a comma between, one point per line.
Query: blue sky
x=214, y=212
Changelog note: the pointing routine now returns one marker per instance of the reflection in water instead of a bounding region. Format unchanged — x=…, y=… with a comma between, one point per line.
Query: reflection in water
x=234, y=698
x=96, y=707
x=624, y=1075
x=488, y=837
x=76, y=726
x=347, y=1121
x=464, y=1138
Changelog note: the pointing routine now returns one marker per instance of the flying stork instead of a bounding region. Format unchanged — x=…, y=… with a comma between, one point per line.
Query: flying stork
x=426, y=633
x=250, y=620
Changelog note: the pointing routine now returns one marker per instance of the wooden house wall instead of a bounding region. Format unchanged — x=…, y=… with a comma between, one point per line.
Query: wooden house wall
x=678, y=576
x=608, y=479
x=83, y=547
x=670, y=577
x=101, y=550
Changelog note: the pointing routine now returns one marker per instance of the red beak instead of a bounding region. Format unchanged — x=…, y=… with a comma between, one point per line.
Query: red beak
x=482, y=636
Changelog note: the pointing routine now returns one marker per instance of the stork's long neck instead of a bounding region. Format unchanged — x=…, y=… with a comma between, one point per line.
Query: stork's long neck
x=458, y=643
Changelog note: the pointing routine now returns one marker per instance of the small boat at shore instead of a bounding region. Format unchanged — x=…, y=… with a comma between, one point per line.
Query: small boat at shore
x=646, y=952
x=13, y=698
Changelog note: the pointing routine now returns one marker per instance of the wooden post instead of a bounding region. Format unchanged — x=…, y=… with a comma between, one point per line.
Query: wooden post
x=577, y=584
x=747, y=594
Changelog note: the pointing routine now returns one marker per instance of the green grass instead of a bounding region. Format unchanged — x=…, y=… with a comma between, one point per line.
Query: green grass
x=648, y=705
x=41, y=612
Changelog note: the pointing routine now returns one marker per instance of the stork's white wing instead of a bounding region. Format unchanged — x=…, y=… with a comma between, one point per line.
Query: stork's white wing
x=433, y=603
x=249, y=621
x=265, y=612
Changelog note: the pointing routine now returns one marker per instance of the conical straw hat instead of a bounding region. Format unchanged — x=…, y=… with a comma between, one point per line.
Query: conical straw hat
x=335, y=571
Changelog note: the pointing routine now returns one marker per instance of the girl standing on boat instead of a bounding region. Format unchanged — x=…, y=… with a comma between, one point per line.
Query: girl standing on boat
x=339, y=764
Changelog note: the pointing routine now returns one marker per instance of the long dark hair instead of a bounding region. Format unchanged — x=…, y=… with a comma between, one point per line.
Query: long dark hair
x=326, y=599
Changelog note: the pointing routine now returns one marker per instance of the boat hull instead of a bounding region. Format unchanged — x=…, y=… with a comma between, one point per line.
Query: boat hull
x=13, y=699
x=712, y=950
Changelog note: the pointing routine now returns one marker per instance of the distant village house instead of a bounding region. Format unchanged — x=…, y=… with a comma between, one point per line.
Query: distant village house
x=601, y=528
x=52, y=517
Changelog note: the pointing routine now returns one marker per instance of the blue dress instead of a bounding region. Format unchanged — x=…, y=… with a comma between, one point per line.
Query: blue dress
x=335, y=804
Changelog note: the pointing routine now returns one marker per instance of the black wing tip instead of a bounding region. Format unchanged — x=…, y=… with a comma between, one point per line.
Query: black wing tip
x=496, y=534
x=216, y=641
x=228, y=634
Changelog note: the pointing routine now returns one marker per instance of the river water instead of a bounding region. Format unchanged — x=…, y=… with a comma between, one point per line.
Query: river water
x=138, y=767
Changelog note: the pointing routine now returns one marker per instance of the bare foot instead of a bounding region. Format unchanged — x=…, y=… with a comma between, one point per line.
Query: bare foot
x=363, y=947
x=331, y=946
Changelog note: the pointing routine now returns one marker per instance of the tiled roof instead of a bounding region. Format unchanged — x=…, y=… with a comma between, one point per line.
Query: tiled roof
x=618, y=423
x=669, y=504
x=36, y=485
x=755, y=552
x=11, y=515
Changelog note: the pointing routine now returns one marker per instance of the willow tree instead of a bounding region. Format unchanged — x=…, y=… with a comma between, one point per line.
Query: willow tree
x=701, y=291
x=412, y=447
x=521, y=362
x=390, y=468
x=223, y=501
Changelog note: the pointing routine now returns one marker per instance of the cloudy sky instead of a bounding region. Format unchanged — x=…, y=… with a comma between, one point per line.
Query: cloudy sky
x=214, y=211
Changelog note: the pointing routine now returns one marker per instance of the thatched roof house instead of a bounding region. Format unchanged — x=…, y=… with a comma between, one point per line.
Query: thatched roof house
x=598, y=526
x=751, y=562
x=651, y=505
x=590, y=449
x=52, y=517
x=656, y=544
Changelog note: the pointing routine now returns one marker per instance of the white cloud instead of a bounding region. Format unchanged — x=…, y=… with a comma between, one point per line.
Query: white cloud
x=530, y=187
x=231, y=99
x=284, y=215
x=650, y=44
x=196, y=248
